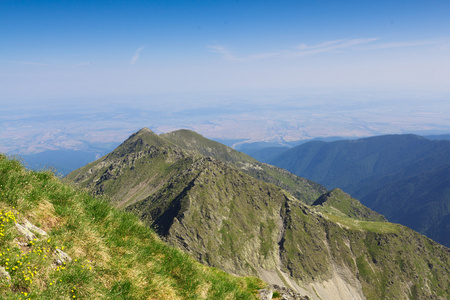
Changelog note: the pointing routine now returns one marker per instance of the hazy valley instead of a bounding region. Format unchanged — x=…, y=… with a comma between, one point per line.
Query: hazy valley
x=100, y=125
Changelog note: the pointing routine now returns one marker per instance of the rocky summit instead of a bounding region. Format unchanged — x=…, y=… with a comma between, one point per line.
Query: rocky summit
x=248, y=218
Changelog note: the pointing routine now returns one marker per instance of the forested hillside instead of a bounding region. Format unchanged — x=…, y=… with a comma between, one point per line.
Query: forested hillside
x=404, y=177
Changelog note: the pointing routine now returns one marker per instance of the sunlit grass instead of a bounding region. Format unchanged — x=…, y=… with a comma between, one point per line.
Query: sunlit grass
x=31, y=265
x=350, y=223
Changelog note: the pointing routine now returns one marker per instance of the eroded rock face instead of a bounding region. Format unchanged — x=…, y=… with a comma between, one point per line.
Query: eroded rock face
x=265, y=294
x=25, y=232
x=28, y=230
x=61, y=257
x=33, y=228
x=288, y=294
x=283, y=292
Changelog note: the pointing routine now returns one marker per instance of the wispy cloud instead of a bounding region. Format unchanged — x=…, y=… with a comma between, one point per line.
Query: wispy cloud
x=334, y=46
x=300, y=50
x=330, y=46
x=227, y=54
x=398, y=45
x=136, y=55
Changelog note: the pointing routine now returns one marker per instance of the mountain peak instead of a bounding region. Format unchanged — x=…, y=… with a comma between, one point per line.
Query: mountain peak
x=144, y=130
x=141, y=139
x=184, y=134
x=183, y=130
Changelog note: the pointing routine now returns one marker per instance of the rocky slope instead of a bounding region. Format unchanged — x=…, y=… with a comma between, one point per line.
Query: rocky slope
x=229, y=219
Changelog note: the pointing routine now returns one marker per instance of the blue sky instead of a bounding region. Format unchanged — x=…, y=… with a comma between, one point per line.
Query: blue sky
x=88, y=49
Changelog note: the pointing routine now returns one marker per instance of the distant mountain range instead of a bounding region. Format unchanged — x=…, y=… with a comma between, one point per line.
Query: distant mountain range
x=232, y=212
x=266, y=151
x=404, y=177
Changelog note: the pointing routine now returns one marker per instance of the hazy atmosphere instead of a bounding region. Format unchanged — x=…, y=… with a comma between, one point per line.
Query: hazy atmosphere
x=78, y=73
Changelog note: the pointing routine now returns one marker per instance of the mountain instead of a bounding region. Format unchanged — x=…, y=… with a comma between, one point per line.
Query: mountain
x=438, y=137
x=301, y=188
x=201, y=197
x=265, y=154
x=404, y=177
x=80, y=247
x=265, y=151
x=180, y=146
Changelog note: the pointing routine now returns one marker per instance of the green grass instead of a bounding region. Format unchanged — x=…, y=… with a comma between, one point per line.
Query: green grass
x=364, y=268
x=114, y=255
x=350, y=223
x=338, y=203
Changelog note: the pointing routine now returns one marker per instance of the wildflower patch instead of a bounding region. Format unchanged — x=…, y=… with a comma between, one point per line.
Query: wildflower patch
x=26, y=267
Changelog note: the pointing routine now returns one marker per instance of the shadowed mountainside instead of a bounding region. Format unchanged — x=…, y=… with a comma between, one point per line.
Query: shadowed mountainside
x=404, y=177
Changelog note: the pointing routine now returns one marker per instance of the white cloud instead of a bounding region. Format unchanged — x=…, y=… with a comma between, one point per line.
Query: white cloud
x=361, y=44
x=330, y=46
x=136, y=55
x=399, y=44
x=227, y=54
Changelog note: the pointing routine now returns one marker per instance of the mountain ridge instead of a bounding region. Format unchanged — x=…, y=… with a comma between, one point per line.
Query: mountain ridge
x=229, y=219
x=171, y=149
x=246, y=163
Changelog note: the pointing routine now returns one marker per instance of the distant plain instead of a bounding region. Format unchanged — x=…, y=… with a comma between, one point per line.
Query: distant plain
x=98, y=125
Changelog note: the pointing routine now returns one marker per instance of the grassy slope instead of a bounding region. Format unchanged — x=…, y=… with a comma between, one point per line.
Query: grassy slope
x=114, y=255
x=342, y=204
x=392, y=261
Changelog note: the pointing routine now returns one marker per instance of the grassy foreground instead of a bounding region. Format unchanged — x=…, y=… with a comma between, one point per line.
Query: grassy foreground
x=114, y=255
